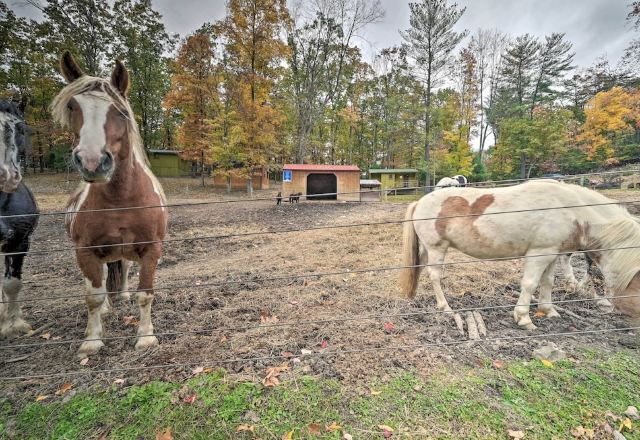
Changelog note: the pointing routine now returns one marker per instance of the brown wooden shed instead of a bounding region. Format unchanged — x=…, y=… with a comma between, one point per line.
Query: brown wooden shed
x=311, y=179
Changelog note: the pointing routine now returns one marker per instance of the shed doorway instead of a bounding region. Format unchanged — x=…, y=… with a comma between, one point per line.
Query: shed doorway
x=322, y=184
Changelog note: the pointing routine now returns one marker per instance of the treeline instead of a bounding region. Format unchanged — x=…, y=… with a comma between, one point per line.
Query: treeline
x=268, y=85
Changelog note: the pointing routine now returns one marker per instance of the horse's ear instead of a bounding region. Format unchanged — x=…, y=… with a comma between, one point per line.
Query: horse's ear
x=120, y=78
x=69, y=68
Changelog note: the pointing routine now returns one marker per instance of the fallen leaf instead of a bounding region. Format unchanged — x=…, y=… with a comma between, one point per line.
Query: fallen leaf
x=31, y=332
x=64, y=388
x=626, y=423
x=266, y=318
x=56, y=338
x=324, y=343
x=578, y=431
x=332, y=427
x=293, y=303
x=197, y=370
x=223, y=339
x=287, y=354
x=130, y=321
x=314, y=428
x=288, y=436
x=207, y=370
x=304, y=351
x=346, y=436
x=547, y=363
x=166, y=435
x=46, y=336
x=497, y=364
x=118, y=381
x=515, y=434
x=388, y=326
x=271, y=379
x=190, y=399
x=84, y=361
x=40, y=398
x=375, y=393
x=387, y=431
x=539, y=314
x=246, y=428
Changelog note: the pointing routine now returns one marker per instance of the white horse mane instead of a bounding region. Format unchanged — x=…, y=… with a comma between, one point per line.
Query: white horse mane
x=622, y=264
x=85, y=84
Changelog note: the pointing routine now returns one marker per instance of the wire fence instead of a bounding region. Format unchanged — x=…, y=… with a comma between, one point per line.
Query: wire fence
x=205, y=363
x=315, y=275
x=490, y=183
x=302, y=276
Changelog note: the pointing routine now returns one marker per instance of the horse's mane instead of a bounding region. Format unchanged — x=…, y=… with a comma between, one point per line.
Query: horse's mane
x=11, y=108
x=623, y=263
x=86, y=84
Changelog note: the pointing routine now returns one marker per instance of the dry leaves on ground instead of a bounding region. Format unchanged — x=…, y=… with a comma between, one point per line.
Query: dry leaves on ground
x=165, y=435
x=271, y=379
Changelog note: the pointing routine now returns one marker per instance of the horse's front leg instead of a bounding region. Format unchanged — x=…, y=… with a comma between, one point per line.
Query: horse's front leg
x=534, y=267
x=96, y=293
x=11, y=321
x=145, y=295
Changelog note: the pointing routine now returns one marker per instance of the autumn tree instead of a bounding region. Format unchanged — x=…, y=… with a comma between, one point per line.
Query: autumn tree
x=193, y=96
x=255, y=52
x=142, y=42
x=430, y=41
x=610, y=117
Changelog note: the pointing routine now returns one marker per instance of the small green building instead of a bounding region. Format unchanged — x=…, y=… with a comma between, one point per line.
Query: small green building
x=168, y=163
x=395, y=177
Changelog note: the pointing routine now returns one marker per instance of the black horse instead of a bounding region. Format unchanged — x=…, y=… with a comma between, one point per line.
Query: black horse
x=18, y=216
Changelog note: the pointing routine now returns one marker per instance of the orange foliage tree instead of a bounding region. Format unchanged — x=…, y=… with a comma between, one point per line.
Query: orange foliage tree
x=609, y=115
x=194, y=97
x=255, y=53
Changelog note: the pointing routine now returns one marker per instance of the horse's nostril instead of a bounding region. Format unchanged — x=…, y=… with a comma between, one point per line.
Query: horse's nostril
x=76, y=159
x=107, y=161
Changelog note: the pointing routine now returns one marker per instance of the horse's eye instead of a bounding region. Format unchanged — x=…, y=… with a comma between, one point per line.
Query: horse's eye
x=69, y=107
x=124, y=115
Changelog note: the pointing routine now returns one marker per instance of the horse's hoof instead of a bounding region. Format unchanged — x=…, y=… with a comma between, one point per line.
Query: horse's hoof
x=551, y=313
x=604, y=305
x=528, y=326
x=14, y=327
x=89, y=348
x=145, y=342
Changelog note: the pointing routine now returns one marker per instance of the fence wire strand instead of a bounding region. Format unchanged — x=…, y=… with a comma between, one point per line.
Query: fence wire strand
x=407, y=347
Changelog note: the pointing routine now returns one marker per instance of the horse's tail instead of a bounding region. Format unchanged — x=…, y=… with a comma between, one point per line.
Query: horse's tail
x=114, y=276
x=410, y=255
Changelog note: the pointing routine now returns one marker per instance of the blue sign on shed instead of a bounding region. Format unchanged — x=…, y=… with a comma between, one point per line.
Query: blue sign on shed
x=287, y=175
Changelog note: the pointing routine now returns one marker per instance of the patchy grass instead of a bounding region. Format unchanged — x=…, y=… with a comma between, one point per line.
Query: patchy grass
x=482, y=402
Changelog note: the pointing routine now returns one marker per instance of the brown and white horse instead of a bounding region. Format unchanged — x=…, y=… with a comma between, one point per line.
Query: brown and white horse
x=524, y=234
x=110, y=157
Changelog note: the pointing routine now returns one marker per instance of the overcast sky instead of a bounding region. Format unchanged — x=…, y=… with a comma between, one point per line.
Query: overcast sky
x=596, y=27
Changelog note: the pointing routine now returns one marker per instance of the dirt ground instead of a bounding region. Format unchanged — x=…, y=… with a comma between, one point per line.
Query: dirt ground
x=228, y=316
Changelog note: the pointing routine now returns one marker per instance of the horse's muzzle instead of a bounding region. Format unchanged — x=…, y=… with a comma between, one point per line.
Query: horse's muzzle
x=93, y=170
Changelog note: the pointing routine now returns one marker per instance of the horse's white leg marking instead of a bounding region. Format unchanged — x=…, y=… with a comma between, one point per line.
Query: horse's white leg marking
x=95, y=299
x=106, y=305
x=533, y=270
x=11, y=322
x=124, y=280
x=145, y=299
x=546, y=287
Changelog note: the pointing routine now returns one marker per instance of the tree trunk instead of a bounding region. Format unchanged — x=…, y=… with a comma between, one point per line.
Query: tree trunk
x=427, y=144
x=523, y=166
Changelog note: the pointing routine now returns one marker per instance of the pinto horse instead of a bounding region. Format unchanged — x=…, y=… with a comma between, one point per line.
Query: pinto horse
x=111, y=160
x=16, y=202
x=463, y=224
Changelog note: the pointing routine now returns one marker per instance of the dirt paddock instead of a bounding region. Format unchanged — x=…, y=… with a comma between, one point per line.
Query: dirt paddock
x=230, y=315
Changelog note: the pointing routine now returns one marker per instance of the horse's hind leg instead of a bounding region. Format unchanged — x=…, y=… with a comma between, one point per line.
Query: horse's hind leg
x=124, y=280
x=11, y=321
x=435, y=258
x=567, y=272
x=534, y=268
x=145, y=297
x=546, y=287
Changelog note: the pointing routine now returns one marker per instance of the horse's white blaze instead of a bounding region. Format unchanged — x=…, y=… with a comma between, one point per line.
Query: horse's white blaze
x=93, y=139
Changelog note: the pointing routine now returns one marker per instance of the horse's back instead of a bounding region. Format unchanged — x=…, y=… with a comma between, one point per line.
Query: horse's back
x=488, y=222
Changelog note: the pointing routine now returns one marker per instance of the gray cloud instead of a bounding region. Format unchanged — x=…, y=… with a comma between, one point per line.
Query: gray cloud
x=596, y=27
